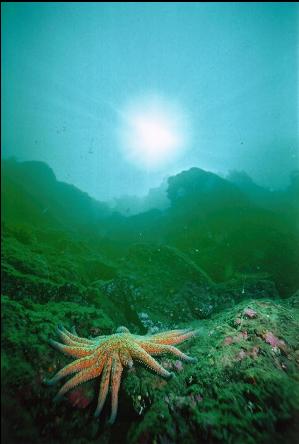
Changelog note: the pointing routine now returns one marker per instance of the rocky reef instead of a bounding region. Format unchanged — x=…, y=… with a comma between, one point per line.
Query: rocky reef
x=243, y=388
x=198, y=272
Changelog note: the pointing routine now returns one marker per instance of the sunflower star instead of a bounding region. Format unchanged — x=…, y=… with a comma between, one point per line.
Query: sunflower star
x=108, y=355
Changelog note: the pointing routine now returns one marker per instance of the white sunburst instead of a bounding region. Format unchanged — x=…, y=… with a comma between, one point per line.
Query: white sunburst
x=153, y=132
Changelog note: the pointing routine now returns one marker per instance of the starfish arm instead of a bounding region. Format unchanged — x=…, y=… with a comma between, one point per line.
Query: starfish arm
x=126, y=358
x=66, y=337
x=104, y=387
x=77, y=352
x=98, y=339
x=67, y=340
x=79, y=378
x=173, y=340
x=142, y=356
x=159, y=337
x=169, y=333
x=116, y=373
x=63, y=333
x=73, y=367
x=160, y=349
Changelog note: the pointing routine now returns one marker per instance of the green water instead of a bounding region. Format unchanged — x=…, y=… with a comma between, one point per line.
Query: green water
x=150, y=237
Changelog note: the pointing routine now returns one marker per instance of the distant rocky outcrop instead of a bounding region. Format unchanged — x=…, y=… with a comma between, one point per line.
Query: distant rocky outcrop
x=132, y=205
x=204, y=189
x=165, y=288
x=32, y=194
x=224, y=227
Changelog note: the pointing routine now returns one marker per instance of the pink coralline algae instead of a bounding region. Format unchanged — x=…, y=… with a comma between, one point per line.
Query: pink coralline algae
x=178, y=366
x=271, y=339
x=250, y=313
x=243, y=335
x=173, y=365
x=80, y=397
x=251, y=353
x=228, y=340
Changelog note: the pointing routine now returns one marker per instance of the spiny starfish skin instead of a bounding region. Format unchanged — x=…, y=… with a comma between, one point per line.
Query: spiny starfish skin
x=106, y=356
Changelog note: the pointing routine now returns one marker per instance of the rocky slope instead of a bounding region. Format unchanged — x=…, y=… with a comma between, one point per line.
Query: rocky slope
x=212, y=261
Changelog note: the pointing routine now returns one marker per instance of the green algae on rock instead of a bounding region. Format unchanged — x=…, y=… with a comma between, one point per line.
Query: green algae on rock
x=242, y=388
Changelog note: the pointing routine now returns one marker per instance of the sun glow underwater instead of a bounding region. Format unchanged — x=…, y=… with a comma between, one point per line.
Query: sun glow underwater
x=154, y=132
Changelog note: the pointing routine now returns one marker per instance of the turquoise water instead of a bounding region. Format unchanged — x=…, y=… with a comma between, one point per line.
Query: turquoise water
x=149, y=221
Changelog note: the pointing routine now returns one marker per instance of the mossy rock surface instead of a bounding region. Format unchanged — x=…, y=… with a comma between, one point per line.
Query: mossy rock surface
x=27, y=360
x=49, y=265
x=243, y=388
x=165, y=288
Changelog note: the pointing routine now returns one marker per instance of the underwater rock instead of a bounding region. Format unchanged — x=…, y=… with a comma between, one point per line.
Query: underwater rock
x=244, y=383
x=161, y=283
x=293, y=301
x=31, y=189
x=250, y=313
x=240, y=392
x=237, y=393
x=199, y=187
x=27, y=360
x=159, y=287
x=271, y=339
x=51, y=268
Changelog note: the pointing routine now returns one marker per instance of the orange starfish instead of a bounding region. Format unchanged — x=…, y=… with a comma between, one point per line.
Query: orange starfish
x=108, y=355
